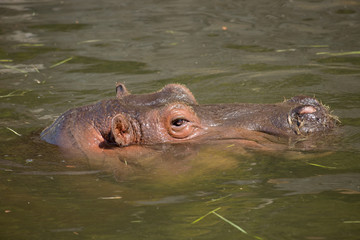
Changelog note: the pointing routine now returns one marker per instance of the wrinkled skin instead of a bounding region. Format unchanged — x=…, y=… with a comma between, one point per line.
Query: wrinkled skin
x=133, y=122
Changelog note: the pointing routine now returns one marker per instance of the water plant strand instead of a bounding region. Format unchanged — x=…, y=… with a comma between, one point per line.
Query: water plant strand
x=13, y=131
x=61, y=62
x=229, y=222
x=202, y=217
x=322, y=166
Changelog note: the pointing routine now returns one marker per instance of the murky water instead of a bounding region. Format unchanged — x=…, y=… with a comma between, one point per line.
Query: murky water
x=55, y=55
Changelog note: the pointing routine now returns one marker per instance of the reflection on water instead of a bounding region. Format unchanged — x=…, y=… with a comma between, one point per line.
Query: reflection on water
x=224, y=51
x=346, y=183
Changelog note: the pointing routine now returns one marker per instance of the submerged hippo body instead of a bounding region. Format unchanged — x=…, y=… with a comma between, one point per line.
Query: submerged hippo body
x=172, y=115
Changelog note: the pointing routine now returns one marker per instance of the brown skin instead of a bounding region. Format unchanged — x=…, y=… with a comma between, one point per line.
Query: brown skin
x=172, y=115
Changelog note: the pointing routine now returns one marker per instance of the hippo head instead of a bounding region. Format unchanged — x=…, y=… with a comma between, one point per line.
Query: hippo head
x=162, y=117
x=172, y=115
x=173, y=122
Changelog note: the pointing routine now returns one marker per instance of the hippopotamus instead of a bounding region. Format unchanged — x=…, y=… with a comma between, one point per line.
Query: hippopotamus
x=172, y=116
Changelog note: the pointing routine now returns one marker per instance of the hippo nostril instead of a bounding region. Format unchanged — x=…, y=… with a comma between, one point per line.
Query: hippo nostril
x=301, y=117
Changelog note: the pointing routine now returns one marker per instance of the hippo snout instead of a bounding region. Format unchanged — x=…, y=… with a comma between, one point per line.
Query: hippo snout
x=310, y=116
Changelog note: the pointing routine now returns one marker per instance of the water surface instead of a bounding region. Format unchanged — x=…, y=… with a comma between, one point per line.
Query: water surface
x=55, y=55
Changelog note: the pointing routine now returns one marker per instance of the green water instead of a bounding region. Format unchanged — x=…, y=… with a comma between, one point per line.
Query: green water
x=224, y=51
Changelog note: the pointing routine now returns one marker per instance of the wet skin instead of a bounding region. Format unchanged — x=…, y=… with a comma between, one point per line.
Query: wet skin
x=132, y=122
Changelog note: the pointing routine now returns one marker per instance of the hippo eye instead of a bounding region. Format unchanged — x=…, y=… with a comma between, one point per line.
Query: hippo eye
x=178, y=122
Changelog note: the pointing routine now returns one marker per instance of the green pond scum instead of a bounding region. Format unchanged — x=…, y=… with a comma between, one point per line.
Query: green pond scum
x=249, y=48
x=60, y=27
x=22, y=53
x=95, y=65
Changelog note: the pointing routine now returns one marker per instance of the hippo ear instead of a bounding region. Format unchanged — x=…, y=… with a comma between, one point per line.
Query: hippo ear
x=123, y=130
x=121, y=90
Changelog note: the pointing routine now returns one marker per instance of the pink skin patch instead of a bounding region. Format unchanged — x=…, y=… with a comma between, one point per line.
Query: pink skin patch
x=307, y=110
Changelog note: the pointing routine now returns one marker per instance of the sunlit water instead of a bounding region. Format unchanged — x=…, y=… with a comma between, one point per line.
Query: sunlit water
x=55, y=55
